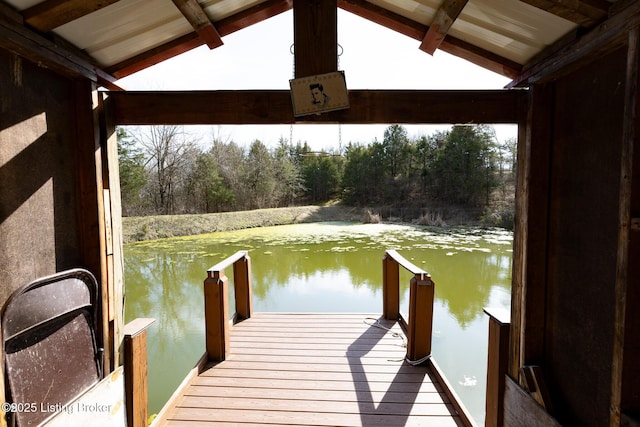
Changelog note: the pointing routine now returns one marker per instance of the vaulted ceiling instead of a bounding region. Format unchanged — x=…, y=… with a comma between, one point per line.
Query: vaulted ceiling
x=120, y=37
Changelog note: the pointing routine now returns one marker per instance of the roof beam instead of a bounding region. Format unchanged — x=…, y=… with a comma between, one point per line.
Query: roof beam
x=274, y=107
x=601, y=40
x=26, y=43
x=51, y=14
x=200, y=22
x=315, y=35
x=442, y=22
x=586, y=13
x=185, y=43
x=417, y=31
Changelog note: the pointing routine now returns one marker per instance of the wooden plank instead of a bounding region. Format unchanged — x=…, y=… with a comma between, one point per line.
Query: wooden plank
x=113, y=211
x=347, y=385
x=625, y=393
x=274, y=107
x=535, y=385
x=321, y=363
x=586, y=13
x=293, y=347
x=446, y=15
x=262, y=379
x=315, y=36
x=298, y=372
x=88, y=173
x=528, y=291
x=137, y=326
x=50, y=14
x=416, y=30
x=406, y=264
x=521, y=410
x=222, y=265
x=386, y=355
x=200, y=22
x=288, y=333
x=342, y=407
x=307, y=418
x=318, y=395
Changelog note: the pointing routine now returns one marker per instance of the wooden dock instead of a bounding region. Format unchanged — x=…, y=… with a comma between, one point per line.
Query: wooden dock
x=313, y=370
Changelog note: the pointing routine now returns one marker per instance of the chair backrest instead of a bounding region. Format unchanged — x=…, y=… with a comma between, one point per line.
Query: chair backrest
x=49, y=343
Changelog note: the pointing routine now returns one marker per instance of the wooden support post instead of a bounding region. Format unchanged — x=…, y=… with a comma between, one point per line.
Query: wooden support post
x=315, y=35
x=497, y=365
x=421, y=294
x=135, y=371
x=242, y=287
x=216, y=315
x=390, y=288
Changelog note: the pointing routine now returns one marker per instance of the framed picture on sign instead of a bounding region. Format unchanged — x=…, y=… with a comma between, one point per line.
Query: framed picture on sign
x=318, y=94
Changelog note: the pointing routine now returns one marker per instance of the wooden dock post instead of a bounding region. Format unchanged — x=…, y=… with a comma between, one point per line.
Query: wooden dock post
x=135, y=371
x=216, y=315
x=497, y=363
x=421, y=294
x=242, y=286
x=390, y=287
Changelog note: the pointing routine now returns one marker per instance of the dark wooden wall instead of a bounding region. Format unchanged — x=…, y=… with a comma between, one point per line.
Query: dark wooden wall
x=38, y=232
x=574, y=268
x=583, y=239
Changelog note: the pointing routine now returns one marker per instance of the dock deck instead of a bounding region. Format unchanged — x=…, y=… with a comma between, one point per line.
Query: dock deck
x=314, y=370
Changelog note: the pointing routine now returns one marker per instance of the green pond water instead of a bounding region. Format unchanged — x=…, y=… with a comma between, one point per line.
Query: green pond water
x=323, y=267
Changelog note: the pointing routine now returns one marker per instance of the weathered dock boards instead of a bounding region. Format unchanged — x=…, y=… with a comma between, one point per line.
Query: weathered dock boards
x=313, y=370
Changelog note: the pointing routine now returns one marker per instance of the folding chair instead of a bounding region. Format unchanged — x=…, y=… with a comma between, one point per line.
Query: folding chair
x=49, y=344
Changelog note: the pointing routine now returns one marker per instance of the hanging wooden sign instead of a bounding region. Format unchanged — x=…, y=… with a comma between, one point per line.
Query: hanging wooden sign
x=319, y=94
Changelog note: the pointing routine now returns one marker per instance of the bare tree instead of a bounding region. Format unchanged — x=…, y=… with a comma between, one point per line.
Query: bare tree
x=168, y=153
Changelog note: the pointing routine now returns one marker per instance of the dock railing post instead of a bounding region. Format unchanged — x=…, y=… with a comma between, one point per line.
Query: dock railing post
x=497, y=363
x=421, y=294
x=135, y=371
x=216, y=315
x=390, y=288
x=242, y=287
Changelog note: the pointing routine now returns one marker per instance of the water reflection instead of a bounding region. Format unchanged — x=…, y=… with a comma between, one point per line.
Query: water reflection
x=327, y=267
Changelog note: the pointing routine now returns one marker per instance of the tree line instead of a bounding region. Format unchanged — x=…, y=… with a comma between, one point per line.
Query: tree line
x=164, y=170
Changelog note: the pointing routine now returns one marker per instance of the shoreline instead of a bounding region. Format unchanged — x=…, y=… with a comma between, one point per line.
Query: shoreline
x=143, y=228
x=136, y=229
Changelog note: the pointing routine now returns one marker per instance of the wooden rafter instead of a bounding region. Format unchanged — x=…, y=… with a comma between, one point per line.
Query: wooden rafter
x=200, y=22
x=442, y=22
x=51, y=14
x=274, y=107
x=185, y=43
x=586, y=13
x=416, y=30
x=24, y=42
x=601, y=40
